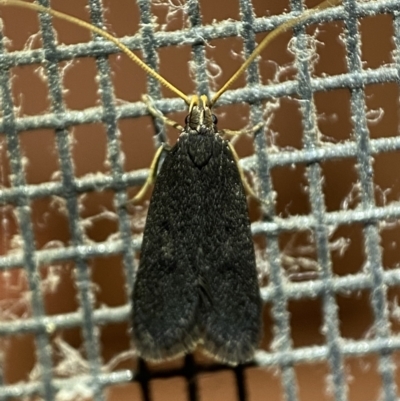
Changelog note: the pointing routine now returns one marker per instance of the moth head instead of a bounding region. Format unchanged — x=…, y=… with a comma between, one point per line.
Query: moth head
x=200, y=115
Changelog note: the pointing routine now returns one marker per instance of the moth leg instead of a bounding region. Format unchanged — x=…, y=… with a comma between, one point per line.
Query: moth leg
x=152, y=175
x=244, y=131
x=246, y=184
x=156, y=114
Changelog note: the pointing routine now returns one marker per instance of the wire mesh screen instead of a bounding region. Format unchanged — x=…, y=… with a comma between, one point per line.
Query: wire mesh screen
x=76, y=141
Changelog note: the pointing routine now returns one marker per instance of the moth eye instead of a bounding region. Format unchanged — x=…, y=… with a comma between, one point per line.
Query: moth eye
x=187, y=119
x=214, y=119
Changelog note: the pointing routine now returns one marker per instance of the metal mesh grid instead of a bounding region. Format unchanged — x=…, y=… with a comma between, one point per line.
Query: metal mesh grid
x=278, y=293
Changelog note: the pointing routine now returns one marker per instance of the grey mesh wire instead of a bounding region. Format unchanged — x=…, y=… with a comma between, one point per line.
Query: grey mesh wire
x=278, y=293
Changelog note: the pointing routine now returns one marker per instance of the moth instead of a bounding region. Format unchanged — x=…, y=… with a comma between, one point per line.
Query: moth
x=197, y=281
x=197, y=278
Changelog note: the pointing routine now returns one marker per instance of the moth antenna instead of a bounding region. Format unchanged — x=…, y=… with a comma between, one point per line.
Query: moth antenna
x=269, y=38
x=101, y=32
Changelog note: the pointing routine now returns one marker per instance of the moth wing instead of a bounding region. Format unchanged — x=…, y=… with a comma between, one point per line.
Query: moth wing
x=165, y=296
x=231, y=314
x=197, y=275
